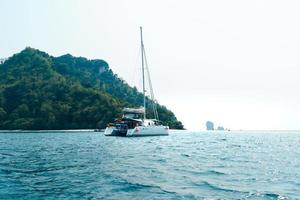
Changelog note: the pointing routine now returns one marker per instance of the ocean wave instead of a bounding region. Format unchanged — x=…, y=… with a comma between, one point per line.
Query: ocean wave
x=211, y=171
x=219, y=188
x=267, y=195
x=39, y=170
x=127, y=186
x=185, y=155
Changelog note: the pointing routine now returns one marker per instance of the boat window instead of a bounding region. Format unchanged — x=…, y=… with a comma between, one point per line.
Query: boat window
x=133, y=115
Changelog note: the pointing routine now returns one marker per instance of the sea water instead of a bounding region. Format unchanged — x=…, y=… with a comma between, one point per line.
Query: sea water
x=183, y=165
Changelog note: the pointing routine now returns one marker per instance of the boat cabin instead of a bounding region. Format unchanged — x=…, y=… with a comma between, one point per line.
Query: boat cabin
x=133, y=113
x=151, y=122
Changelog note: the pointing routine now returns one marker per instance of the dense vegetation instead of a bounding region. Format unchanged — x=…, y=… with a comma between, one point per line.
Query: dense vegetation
x=38, y=91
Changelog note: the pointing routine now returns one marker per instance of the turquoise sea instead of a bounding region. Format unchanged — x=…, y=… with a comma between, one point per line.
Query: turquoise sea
x=183, y=165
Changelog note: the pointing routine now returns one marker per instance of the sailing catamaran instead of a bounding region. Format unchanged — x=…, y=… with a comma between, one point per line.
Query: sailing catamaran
x=134, y=121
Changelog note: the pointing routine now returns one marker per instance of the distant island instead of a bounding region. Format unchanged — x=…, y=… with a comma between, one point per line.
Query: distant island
x=220, y=128
x=39, y=91
x=210, y=126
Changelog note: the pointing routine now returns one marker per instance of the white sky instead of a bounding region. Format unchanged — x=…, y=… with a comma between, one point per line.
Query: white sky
x=233, y=62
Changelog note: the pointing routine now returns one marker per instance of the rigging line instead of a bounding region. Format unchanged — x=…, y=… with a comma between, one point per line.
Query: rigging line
x=142, y=52
x=154, y=106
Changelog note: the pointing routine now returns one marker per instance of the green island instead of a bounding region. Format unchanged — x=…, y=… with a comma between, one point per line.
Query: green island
x=42, y=92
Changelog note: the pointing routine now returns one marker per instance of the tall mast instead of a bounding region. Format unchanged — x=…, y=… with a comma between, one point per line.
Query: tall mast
x=143, y=70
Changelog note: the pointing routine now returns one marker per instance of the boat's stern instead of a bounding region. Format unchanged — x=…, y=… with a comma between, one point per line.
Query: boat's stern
x=116, y=130
x=109, y=131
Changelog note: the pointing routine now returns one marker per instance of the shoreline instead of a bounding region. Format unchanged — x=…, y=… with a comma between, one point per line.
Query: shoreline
x=47, y=131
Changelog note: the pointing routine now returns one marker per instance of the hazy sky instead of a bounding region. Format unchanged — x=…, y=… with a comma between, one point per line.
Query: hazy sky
x=234, y=62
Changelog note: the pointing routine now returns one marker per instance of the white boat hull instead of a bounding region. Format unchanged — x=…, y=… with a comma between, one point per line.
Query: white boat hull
x=139, y=131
